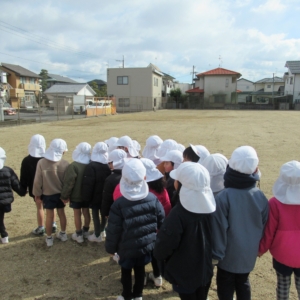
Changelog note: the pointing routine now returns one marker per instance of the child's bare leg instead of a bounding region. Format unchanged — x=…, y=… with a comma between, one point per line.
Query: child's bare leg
x=86, y=216
x=49, y=221
x=77, y=219
x=40, y=213
x=62, y=219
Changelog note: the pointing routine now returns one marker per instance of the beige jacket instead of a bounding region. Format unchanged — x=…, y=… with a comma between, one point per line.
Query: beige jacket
x=49, y=177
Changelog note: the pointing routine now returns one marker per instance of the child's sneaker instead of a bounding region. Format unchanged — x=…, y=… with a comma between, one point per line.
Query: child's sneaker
x=138, y=298
x=120, y=298
x=39, y=231
x=49, y=241
x=85, y=234
x=103, y=235
x=93, y=238
x=4, y=240
x=54, y=228
x=62, y=236
x=77, y=238
x=157, y=280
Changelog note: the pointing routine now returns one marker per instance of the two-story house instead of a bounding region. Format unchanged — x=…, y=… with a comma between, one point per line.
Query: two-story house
x=135, y=89
x=58, y=79
x=25, y=86
x=244, y=88
x=292, y=80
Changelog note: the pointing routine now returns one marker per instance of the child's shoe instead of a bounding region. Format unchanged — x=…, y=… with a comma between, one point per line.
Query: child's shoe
x=49, y=241
x=62, y=236
x=39, y=231
x=120, y=298
x=77, y=238
x=157, y=280
x=4, y=240
x=103, y=235
x=85, y=233
x=93, y=238
x=138, y=298
x=54, y=228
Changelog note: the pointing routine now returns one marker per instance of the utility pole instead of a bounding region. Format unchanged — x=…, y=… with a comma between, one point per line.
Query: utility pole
x=123, y=61
x=273, y=90
x=193, y=75
x=220, y=61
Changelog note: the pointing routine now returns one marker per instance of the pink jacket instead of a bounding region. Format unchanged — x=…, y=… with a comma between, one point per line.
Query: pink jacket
x=163, y=198
x=282, y=233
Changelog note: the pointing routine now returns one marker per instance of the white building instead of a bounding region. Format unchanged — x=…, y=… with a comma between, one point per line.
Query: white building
x=292, y=80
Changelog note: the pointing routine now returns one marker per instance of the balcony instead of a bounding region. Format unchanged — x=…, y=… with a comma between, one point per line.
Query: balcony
x=29, y=86
x=17, y=93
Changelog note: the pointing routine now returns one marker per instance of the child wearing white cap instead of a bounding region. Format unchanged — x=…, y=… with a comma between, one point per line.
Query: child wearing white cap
x=36, y=150
x=125, y=143
x=201, y=151
x=94, y=177
x=164, y=148
x=150, y=151
x=133, y=222
x=282, y=232
x=9, y=183
x=111, y=143
x=47, y=187
x=116, y=160
x=238, y=224
x=72, y=190
x=184, y=242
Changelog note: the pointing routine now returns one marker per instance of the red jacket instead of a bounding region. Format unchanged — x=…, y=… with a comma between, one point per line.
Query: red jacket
x=282, y=233
x=163, y=198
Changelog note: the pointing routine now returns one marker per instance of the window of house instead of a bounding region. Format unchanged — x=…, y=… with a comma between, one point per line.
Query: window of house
x=124, y=102
x=227, y=82
x=291, y=80
x=155, y=81
x=269, y=86
x=31, y=80
x=154, y=102
x=122, y=80
x=22, y=79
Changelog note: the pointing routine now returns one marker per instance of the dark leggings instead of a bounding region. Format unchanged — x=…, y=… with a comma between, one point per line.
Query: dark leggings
x=200, y=294
x=155, y=268
x=139, y=274
x=99, y=226
x=2, y=226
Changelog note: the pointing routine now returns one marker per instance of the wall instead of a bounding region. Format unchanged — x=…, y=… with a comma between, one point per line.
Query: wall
x=245, y=85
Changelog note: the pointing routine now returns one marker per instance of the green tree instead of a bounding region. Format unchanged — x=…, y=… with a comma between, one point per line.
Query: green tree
x=103, y=91
x=94, y=86
x=176, y=94
x=44, y=75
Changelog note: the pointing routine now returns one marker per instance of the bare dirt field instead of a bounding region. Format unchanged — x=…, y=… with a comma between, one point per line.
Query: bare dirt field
x=29, y=270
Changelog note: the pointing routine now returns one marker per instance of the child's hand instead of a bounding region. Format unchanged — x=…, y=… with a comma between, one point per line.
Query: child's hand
x=38, y=199
x=65, y=201
x=260, y=254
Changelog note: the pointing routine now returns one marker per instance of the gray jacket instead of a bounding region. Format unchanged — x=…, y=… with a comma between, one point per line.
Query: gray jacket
x=237, y=227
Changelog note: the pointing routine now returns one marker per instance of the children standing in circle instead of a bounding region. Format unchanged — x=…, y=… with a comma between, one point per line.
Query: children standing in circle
x=9, y=183
x=282, y=232
x=72, y=190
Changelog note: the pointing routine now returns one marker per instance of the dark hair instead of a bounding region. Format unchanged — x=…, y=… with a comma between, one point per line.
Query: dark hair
x=189, y=154
x=157, y=185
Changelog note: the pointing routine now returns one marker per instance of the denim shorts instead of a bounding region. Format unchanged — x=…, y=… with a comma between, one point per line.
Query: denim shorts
x=79, y=205
x=52, y=201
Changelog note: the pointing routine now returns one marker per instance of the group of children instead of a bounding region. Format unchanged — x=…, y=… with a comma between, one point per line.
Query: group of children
x=182, y=209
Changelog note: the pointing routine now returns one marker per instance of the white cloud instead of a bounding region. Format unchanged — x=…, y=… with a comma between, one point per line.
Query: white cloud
x=270, y=6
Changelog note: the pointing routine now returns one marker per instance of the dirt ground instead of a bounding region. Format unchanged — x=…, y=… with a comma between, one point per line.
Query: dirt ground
x=29, y=270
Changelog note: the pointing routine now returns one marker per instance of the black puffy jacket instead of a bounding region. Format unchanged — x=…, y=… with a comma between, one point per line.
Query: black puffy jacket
x=184, y=243
x=8, y=182
x=93, y=180
x=109, y=186
x=132, y=226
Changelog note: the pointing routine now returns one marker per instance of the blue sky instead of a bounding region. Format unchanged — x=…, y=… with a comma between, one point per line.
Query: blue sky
x=80, y=39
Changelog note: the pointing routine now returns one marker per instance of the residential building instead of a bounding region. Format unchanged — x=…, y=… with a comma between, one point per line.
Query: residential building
x=135, y=89
x=168, y=84
x=245, y=85
x=24, y=83
x=100, y=83
x=182, y=86
x=58, y=79
x=216, y=87
x=292, y=80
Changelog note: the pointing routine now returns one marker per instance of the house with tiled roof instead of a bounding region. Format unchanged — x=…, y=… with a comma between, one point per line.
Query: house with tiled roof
x=216, y=87
x=58, y=79
x=24, y=83
x=292, y=80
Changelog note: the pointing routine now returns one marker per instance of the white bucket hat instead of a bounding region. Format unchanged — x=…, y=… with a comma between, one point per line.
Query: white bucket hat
x=99, y=153
x=117, y=157
x=180, y=147
x=165, y=147
x=195, y=194
x=152, y=173
x=37, y=146
x=56, y=150
x=137, y=146
x=244, y=160
x=2, y=158
x=111, y=143
x=216, y=165
x=201, y=151
x=287, y=187
x=153, y=143
x=126, y=141
x=175, y=156
x=132, y=184
x=82, y=153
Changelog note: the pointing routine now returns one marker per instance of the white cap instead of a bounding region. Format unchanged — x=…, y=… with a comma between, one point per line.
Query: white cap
x=37, y=146
x=99, y=153
x=132, y=184
x=195, y=194
x=175, y=156
x=2, y=158
x=201, y=151
x=126, y=141
x=111, y=143
x=216, y=165
x=152, y=145
x=165, y=147
x=56, y=150
x=82, y=153
x=117, y=157
x=180, y=147
x=137, y=146
x=287, y=187
x=244, y=160
x=152, y=173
